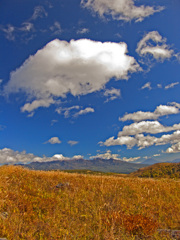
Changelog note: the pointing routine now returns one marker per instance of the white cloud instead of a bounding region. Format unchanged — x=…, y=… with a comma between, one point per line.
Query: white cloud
x=142, y=141
x=136, y=134
x=152, y=127
x=30, y=107
x=159, y=52
x=84, y=111
x=60, y=157
x=78, y=67
x=120, y=9
x=147, y=85
x=39, y=12
x=78, y=157
x=171, y=85
x=67, y=112
x=56, y=28
x=161, y=110
x=83, y=31
x=174, y=148
x=9, y=156
x=159, y=85
x=72, y=143
x=131, y=159
x=54, y=140
x=112, y=94
x=106, y=155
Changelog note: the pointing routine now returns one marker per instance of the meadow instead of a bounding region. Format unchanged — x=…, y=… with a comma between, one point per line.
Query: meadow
x=88, y=207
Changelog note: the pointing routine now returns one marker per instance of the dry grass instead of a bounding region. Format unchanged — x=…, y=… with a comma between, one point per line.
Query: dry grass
x=92, y=207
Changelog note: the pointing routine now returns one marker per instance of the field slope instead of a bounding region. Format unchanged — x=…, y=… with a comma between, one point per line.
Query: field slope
x=159, y=170
x=47, y=205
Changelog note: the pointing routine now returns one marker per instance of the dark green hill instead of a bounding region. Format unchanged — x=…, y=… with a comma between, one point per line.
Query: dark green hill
x=159, y=170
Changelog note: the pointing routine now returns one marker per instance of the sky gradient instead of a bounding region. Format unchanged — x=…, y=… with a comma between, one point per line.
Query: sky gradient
x=89, y=78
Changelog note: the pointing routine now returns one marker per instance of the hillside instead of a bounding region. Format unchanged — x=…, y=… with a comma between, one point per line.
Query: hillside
x=159, y=170
x=48, y=205
x=98, y=164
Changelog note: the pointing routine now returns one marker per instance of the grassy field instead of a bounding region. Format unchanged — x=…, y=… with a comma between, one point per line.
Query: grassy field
x=88, y=207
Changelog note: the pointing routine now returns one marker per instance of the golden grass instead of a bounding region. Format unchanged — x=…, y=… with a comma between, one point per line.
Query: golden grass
x=92, y=207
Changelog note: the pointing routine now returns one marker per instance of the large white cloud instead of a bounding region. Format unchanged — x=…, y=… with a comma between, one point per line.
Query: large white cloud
x=142, y=141
x=160, y=50
x=152, y=127
x=77, y=67
x=143, y=133
x=161, y=110
x=120, y=9
x=9, y=156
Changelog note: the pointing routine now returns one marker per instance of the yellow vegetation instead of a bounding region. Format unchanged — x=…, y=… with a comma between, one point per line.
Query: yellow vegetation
x=89, y=207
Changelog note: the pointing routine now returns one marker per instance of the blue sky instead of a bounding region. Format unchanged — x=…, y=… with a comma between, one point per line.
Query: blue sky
x=91, y=78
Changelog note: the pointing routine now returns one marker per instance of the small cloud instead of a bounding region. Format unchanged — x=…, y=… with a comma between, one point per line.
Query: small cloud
x=171, y=85
x=147, y=85
x=83, y=31
x=39, y=12
x=56, y=28
x=159, y=85
x=121, y=10
x=72, y=143
x=84, y=111
x=30, y=107
x=131, y=159
x=175, y=148
x=112, y=94
x=54, y=140
x=53, y=122
x=160, y=51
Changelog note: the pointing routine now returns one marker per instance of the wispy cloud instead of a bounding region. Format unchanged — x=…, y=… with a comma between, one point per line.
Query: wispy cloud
x=72, y=143
x=147, y=85
x=171, y=85
x=161, y=110
x=112, y=94
x=121, y=9
x=159, y=52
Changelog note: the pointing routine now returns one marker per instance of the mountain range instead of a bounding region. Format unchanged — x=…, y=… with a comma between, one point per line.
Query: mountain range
x=97, y=164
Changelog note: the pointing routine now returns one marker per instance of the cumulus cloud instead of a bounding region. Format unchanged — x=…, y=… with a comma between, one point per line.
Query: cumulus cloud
x=160, y=51
x=72, y=143
x=161, y=110
x=9, y=156
x=112, y=94
x=120, y=9
x=78, y=67
x=152, y=127
x=54, y=140
x=141, y=133
x=171, y=85
x=174, y=148
x=142, y=141
x=147, y=85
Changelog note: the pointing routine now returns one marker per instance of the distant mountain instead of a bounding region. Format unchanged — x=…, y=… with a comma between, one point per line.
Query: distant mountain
x=150, y=161
x=98, y=164
x=159, y=170
x=176, y=160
